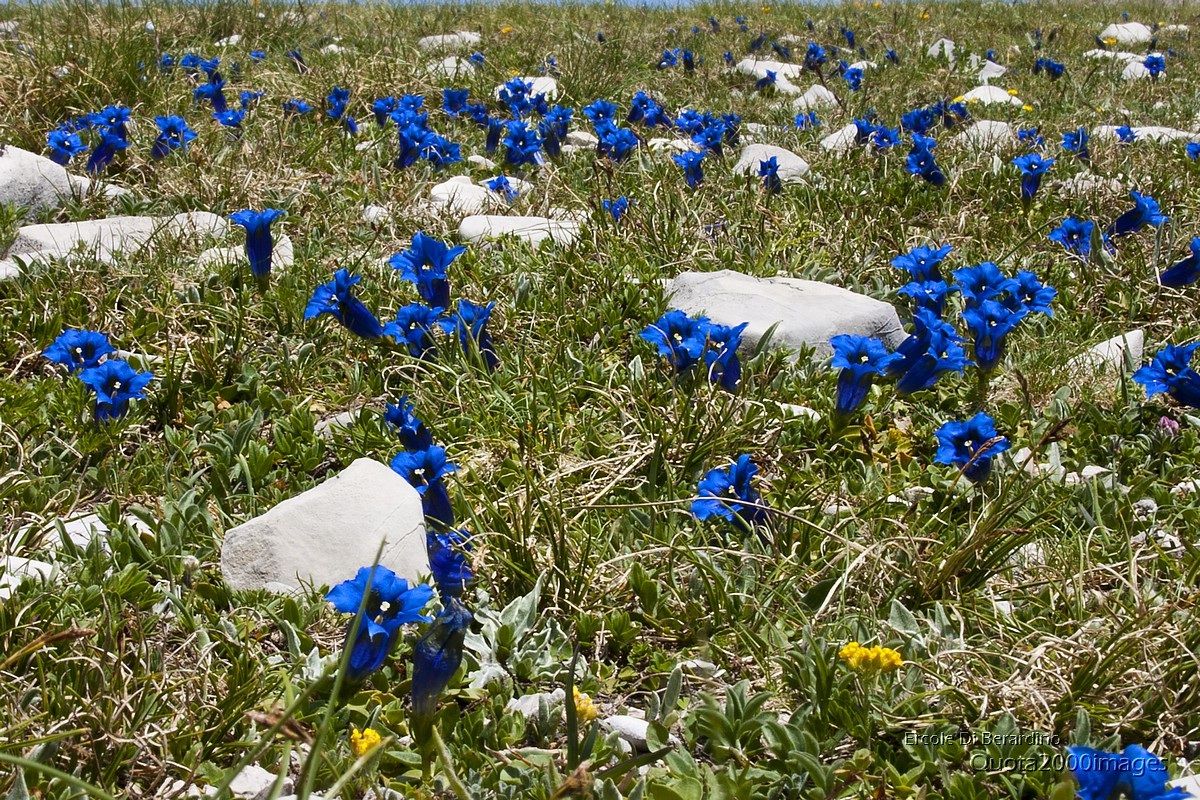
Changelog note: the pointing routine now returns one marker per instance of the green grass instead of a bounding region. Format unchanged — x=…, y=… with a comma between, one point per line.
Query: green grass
x=580, y=455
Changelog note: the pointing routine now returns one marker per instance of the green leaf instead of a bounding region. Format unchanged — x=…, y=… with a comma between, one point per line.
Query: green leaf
x=903, y=620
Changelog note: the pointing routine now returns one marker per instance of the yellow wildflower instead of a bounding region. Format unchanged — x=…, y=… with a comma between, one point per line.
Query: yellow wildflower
x=924, y=15
x=870, y=659
x=585, y=709
x=364, y=741
x=959, y=99
x=878, y=4
x=505, y=30
x=1109, y=40
x=1012, y=92
x=766, y=9
x=1027, y=108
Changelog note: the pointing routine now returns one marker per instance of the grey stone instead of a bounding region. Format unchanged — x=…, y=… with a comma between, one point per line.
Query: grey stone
x=324, y=535
x=942, y=48
x=987, y=134
x=533, y=230
x=1120, y=353
x=815, y=98
x=325, y=428
x=791, y=166
x=804, y=313
x=449, y=41
x=634, y=731
x=460, y=196
x=841, y=140
x=1128, y=33
x=14, y=570
x=254, y=782
x=105, y=238
x=529, y=705
x=374, y=215
x=36, y=183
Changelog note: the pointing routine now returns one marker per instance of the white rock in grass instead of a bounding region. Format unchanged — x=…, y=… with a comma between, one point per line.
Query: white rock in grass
x=450, y=67
x=1148, y=133
x=533, y=230
x=14, y=570
x=254, y=782
x=1135, y=71
x=582, y=139
x=942, y=48
x=8, y=29
x=1123, y=352
x=987, y=134
x=519, y=186
x=1085, y=184
x=325, y=428
x=1180, y=29
x=1113, y=55
x=817, y=97
x=229, y=41
x=991, y=69
x=542, y=84
x=1184, y=488
x=36, y=184
x=634, y=731
x=1128, y=33
x=864, y=65
x=659, y=144
x=989, y=95
x=1191, y=783
x=529, y=705
x=841, y=140
x=791, y=166
x=481, y=162
x=282, y=255
x=334, y=50
x=449, y=41
x=322, y=536
x=462, y=197
x=793, y=410
x=108, y=237
x=758, y=68
x=803, y=313
x=374, y=215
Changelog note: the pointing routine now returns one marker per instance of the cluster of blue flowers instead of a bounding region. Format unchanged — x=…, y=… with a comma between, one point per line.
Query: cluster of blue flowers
x=417, y=141
x=113, y=382
x=107, y=131
x=729, y=494
x=1076, y=235
x=683, y=342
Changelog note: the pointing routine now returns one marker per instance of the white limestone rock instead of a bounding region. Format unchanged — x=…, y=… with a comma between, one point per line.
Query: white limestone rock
x=1086, y=184
x=460, y=196
x=1120, y=353
x=321, y=537
x=326, y=428
x=449, y=41
x=481, y=162
x=1148, y=133
x=229, y=41
x=792, y=168
x=533, y=230
x=634, y=731
x=1128, y=33
x=375, y=215
x=1135, y=71
x=37, y=184
x=841, y=140
x=816, y=98
x=106, y=238
x=987, y=134
x=529, y=705
x=990, y=70
x=283, y=255
x=942, y=48
x=1113, y=55
x=991, y=95
x=14, y=570
x=255, y=782
x=804, y=313
x=450, y=67
x=758, y=68
x=582, y=139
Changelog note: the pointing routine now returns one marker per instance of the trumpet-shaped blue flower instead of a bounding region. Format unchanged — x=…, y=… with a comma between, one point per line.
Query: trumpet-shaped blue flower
x=337, y=299
x=424, y=470
x=449, y=562
x=931, y=351
x=970, y=445
x=78, y=349
x=469, y=320
x=814, y=57
x=411, y=430
x=336, y=102
x=1170, y=372
x=212, y=92
x=1075, y=235
x=600, y=111
x=1192, y=150
x=1135, y=773
x=806, y=120
x=768, y=170
x=720, y=355
x=413, y=327
x=922, y=263
x=455, y=100
x=111, y=142
x=691, y=163
x=1155, y=64
x=1185, y=271
x=1145, y=212
x=388, y=602
x=853, y=76
x=982, y=282
x=425, y=263
x=115, y=383
x=1076, y=142
x=258, y=237
x=679, y=339
x=928, y=294
x=522, y=145
x=921, y=162
x=1033, y=168
x=173, y=134
x=989, y=323
x=296, y=106
x=861, y=359
x=616, y=143
x=64, y=145
x=436, y=657
x=1126, y=134
x=885, y=138
x=617, y=208
x=230, y=117
x=730, y=494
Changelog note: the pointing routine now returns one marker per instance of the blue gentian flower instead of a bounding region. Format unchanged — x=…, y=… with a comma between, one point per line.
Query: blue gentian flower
x=78, y=349
x=1031, y=136
x=646, y=110
x=296, y=106
x=807, y=119
x=600, y=111
x=982, y=282
x=668, y=59
x=166, y=61
x=337, y=299
x=454, y=100
x=469, y=321
x=929, y=294
x=1033, y=168
x=64, y=145
x=921, y=263
x=247, y=99
x=230, y=117
x=814, y=57
x=1126, y=134
x=1135, y=773
x=848, y=35
x=115, y=383
x=436, y=657
x=425, y=264
x=1183, y=272
x=1030, y=295
x=449, y=562
x=1192, y=150
x=558, y=120
x=1054, y=69
x=522, y=145
x=440, y=151
x=767, y=81
x=258, y=56
x=679, y=339
x=387, y=602
x=692, y=164
x=931, y=351
x=617, y=143
x=712, y=137
x=412, y=431
x=728, y=494
x=383, y=108
x=516, y=95
x=970, y=445
x=297, y=61
x=720, y=355
x=920, y=161
x=861, y=359
x=1170, y=372
x=1076, y=142
x=258, y=237
x=864, y=129
x=501, y=185
x=853, y=77
x=617, y=207
x=1075, y=235
x=690, y=121
x=1155, y=64
x=424, y=470
x=212, y=92
x=336, y=102
x=477, y=58
x=990, y=322
x=413, y=327
x=1145, y=212
x=768, y=170
x=111, y=142
x=884, y=137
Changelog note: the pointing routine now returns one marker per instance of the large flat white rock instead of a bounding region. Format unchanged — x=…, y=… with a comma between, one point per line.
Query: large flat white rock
x=991, y=95
x=460, y=197
x=36, y=184
x=841, y=140
x=791, y=166
x=533, y=230
x=814, y=99
x=1128, y=33
x=449, y=41
x=450, y=67
x=324, y=535
x=987, y=134
x=805, y=313
x=14, y=570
